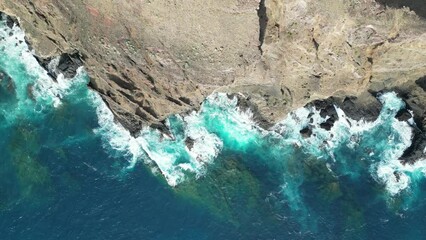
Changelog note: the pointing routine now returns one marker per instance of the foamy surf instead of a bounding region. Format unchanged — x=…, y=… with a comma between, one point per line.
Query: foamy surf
x=221, y=114
x=172, y=156
x=199, y=137
x=34, y=89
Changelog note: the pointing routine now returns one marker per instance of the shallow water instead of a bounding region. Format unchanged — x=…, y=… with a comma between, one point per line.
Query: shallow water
x=69, y=171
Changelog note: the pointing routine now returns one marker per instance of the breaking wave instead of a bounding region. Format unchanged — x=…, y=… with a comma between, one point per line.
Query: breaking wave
x=221, y=124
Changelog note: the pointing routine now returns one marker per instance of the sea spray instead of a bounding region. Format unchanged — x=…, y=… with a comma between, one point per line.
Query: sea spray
x=170, y=154
x=220, y=122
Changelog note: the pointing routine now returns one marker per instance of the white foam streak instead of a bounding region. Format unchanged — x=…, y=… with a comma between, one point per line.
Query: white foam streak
x=397, y=176
x=50, y=91
x=394, y=180
x=152, y=146
x=169, y=154
x=349, y=131
x=44, y=88
x=206, y=145
x=174, y=158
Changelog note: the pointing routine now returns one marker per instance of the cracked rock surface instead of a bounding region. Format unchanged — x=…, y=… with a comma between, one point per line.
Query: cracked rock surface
x=152, y=58
x=149, y=58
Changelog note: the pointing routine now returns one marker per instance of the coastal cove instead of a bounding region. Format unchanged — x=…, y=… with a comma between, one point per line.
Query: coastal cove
x=70, y=170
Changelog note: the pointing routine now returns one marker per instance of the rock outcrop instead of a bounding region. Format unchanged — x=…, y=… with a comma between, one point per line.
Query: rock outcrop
x=148, y=59
x=152, y=58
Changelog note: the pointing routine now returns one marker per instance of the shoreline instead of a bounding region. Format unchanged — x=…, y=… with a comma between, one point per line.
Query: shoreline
x=365, y=105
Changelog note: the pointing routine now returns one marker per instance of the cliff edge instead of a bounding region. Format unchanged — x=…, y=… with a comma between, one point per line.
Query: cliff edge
x=149, y=59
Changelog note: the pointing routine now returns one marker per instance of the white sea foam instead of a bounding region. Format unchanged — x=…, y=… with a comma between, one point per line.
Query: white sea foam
x=117, y=137
x=173, y=158
x=397, y=176
x=31, y=81
x=394, y=180
x=206, y=145
x=223, y=115
x=19, y=58
x=350, y=131
x=390, y=171
x=217, y=104
x=16, y=54
x=54, y=92
x=151, y=146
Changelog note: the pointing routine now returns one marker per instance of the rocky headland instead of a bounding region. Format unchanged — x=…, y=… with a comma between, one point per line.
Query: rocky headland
x=149, y=59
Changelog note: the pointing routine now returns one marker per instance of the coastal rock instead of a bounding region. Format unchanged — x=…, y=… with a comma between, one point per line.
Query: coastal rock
x=415, y=100
x=245, y=103
x=306, y=132
x=189, y=142
x=419, y=6
x=404, y=115
x=365, y=106
x=66, y=64
x=149, y=59
x=327, y=110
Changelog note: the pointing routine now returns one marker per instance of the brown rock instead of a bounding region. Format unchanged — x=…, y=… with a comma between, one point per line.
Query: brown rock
x=152, y=58
x=148, y=59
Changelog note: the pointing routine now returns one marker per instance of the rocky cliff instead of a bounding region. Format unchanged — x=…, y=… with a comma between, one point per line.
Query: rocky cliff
x=152, y=58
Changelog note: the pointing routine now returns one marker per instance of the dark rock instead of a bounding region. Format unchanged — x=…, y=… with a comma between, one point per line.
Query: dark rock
x=120, y=81
x=366, y=106
x=130, y=123
x=245, y=103
x=421, y=82
x=415, y=151
x=6, y=81
x=263, y=22
x=186, y=101
x=7, y=85
x=67, y=65
x=127, y=120
x=327, y=109
x=189, y=143
x=403, y=115
x=418, y=145
x=30, y=92
x=175, y=101
x=397, y=175
x=414, y=98
x=327, y=125
x=418, y=6
x=306, y=132
x=10, y=20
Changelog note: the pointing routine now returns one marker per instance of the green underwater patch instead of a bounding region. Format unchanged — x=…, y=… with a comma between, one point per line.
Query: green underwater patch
x=33, y=178
x=230, y=191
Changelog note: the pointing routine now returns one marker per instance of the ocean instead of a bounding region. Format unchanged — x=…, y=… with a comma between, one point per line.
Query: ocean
x=69, y=171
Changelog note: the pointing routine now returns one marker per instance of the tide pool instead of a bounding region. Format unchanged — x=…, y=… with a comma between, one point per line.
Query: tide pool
x=68, y=170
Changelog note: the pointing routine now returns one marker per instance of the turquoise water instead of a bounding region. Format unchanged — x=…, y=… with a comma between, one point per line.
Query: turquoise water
x=69, y=171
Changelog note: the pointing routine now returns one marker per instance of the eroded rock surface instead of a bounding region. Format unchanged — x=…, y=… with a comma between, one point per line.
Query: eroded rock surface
x=152, y=58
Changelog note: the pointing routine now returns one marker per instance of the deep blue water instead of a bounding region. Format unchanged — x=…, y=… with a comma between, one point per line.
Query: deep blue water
x=68, y=171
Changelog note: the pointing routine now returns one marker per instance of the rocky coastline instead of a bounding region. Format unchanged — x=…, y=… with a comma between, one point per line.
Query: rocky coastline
x=287, y=55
